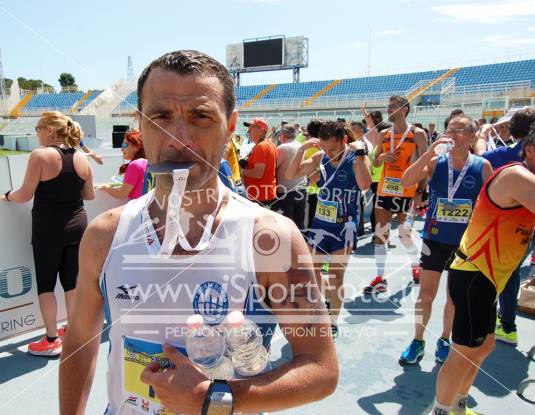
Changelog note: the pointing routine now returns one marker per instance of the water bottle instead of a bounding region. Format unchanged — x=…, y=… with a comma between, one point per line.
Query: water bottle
x=442, y=148
x=409, y=220
x=244, y=345
x=206, y=348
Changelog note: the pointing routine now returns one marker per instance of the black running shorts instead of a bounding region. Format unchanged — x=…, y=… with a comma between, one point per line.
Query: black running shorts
x=394, y=204
x=474, y=298
x=436, y=256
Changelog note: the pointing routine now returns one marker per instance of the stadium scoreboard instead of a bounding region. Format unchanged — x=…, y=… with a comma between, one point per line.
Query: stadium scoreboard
x=273, y=53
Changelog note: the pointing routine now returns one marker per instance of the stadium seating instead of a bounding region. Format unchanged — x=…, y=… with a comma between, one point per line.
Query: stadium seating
x=42, y=102
x=296, y=93
x=91, y=97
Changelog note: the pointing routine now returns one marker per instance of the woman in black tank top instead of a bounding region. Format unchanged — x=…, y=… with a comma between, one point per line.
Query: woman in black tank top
x=58, y=217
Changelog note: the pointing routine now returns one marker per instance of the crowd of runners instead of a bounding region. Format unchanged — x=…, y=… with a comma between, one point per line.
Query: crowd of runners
x=473, y=184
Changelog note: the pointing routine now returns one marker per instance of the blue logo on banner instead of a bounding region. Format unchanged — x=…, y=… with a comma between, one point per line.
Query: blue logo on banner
x=210, y=301
x=25, y=276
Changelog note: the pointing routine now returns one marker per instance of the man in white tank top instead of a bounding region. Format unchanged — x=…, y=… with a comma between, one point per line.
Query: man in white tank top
x=229, y=254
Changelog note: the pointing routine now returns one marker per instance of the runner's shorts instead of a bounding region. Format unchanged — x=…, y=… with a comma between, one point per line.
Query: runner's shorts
x=474, y=298
x=436, y=256
x=327, y=240
x=395, y=204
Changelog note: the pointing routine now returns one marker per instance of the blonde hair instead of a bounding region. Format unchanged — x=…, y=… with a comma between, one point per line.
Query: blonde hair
x=65, y=127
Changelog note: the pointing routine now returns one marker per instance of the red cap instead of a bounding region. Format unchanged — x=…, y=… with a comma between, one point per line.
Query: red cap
x=259, y=122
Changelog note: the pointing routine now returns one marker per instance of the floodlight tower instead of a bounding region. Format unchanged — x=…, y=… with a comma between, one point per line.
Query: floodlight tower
x=130, y=71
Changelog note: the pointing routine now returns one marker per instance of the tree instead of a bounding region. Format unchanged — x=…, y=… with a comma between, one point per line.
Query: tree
x=8, y=82
x=66, y=79
x=31, y=84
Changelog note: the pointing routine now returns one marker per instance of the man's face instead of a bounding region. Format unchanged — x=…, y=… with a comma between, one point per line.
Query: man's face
x=459, y=132
x=529, y=157
x=184, y=120
x=503, y=129
x=431, y=128
x=395, y=111
x=333, y=147
x=255, y=133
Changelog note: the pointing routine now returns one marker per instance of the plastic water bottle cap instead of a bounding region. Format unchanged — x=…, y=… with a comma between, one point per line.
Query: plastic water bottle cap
x=195, y=321
x=235, y=318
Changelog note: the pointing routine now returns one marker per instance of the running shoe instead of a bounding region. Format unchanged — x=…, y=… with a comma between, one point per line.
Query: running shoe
x=413, y=353
x=45, y=348
x=443, y=348
x=378, y=284
x=61, y=331
x=509, y=338
x=416, y=269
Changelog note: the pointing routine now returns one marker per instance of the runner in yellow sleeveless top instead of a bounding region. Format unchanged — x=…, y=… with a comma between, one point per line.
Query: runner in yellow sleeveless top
x=398, y=147
x=494, y=243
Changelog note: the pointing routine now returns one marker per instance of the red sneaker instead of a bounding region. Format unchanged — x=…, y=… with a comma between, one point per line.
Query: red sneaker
x=416, y=269
x=61, y=331
x=378, y=284
x=45, y=348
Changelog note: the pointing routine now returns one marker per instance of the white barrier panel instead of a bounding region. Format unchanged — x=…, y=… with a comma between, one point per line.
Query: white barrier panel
x=101, y=174
x=19, y=305
x=5, y=179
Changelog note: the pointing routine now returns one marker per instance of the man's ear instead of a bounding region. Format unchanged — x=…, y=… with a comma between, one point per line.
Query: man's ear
x=231, y=126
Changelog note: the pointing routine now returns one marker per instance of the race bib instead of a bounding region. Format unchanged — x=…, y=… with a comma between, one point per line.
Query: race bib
x=326, y=210
x=454, y=211
x=137, y=355
x=392, y=186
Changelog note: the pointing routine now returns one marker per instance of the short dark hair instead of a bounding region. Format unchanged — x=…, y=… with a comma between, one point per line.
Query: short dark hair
x=529, y=140
x=188, y=62
x=332, y=129
x=521, y=122
x=377, y=116
x=453, y=114
x=402, y=102
x=313, y=128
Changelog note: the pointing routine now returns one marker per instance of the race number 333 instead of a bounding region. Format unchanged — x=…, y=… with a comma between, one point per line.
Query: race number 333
x=326, y=210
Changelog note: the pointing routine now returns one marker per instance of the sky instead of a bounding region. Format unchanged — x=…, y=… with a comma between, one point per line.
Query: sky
x=92, y=39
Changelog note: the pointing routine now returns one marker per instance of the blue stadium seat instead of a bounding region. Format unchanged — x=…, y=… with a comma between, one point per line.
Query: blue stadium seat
x=43, y=102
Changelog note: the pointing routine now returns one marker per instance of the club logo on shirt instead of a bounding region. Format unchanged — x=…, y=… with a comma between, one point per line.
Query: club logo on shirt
x=210, y=301
x=469, y=182
x=127, y=293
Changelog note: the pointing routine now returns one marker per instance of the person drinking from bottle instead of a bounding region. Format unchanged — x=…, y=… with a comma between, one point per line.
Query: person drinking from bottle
x=455, y=179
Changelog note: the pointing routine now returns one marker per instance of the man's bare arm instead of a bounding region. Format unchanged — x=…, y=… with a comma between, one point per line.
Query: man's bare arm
x=312, y=374
x=82, y=339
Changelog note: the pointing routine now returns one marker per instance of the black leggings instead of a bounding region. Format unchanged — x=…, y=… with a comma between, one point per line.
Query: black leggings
x=51, y=260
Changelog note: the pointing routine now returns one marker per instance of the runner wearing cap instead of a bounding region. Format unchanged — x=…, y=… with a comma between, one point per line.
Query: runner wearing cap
x=259, y=169
x=492, y=136
x=455, y=180
x=493, y=244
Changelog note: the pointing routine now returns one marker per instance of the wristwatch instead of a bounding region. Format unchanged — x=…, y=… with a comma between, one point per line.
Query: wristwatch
x=361, y=151
x=219, y=399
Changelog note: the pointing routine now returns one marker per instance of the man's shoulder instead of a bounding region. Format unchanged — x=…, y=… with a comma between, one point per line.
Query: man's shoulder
x=103, y=227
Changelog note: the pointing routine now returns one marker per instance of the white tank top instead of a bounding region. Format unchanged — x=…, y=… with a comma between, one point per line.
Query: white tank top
x=149, y=298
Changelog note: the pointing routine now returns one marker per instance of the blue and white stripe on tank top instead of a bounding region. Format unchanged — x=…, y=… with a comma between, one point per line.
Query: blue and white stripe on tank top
x=342, y=188
x=471, y=184
x=147, y=299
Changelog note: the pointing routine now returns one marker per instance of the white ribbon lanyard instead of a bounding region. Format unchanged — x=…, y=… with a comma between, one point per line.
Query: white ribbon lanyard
x=452, y=188
x=402, y=139
x=331, y=177
x=173, y=230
